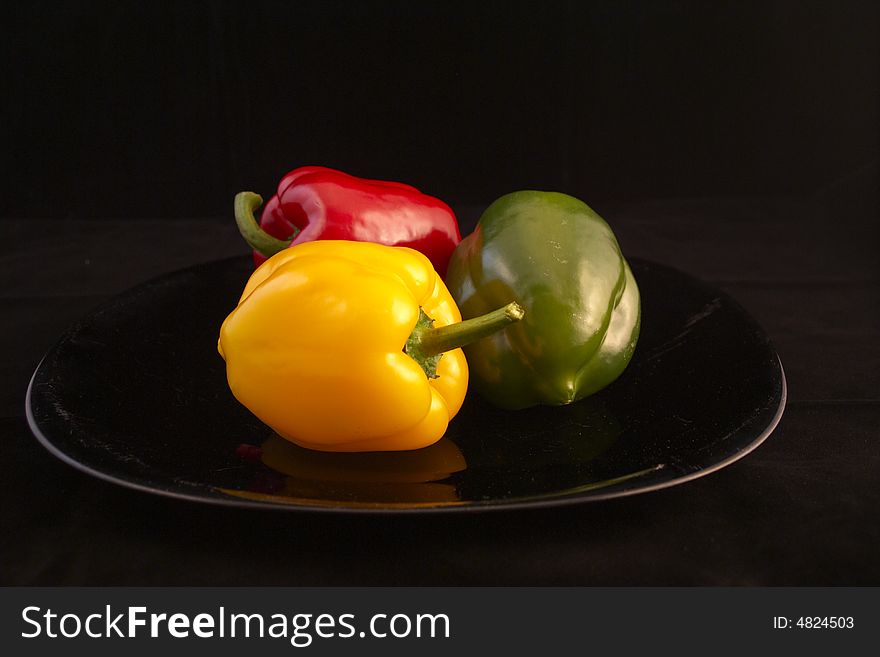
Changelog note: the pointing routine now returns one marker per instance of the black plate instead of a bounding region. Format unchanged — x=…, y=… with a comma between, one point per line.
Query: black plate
x=136, y=394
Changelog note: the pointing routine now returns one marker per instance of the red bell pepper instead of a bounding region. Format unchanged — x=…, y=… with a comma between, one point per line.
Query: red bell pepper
x=317, y=203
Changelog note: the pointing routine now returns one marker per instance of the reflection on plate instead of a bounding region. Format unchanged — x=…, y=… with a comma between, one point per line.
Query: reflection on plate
x=135, y=393
x=297, y=475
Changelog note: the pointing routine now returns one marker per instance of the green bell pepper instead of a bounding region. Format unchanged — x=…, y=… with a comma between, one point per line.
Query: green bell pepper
x=558, y=259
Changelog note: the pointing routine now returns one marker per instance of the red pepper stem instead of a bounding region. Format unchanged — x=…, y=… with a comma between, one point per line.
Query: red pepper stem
x=259, y=240
x=434, y=341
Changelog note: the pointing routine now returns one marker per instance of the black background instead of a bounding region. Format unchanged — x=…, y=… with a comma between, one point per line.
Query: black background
x=166, y=109
x=735, y=140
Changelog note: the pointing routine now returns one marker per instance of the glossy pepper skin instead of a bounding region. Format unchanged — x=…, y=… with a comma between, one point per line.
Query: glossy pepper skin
x=555, y=256
x=318, y=203
x=315, y=347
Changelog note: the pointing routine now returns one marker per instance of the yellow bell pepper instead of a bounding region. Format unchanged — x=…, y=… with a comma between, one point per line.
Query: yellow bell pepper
x=339, y=346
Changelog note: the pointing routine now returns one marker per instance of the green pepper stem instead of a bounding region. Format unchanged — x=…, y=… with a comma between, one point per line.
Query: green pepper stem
x=434, y=341
x=259, y=240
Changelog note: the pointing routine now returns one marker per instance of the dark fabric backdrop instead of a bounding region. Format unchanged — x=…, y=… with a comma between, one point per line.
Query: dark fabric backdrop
x=120, y=108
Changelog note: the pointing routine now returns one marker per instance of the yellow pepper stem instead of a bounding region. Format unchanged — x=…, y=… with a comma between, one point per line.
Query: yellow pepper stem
x=261, y=241
x=426, y=344
x=445, y=338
